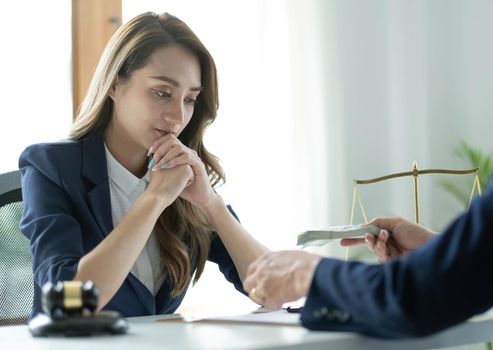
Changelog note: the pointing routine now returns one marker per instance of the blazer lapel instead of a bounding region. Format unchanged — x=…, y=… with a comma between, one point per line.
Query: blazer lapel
x=94, y=169
x=143, y=293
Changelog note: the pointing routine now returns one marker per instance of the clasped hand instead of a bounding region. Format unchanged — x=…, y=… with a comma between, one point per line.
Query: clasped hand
x=177, y=170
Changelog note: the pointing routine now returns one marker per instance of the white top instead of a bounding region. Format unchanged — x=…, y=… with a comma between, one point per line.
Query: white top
x=125, y=188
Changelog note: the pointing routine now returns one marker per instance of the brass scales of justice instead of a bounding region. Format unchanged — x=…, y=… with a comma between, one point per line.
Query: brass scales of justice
x=415, y=174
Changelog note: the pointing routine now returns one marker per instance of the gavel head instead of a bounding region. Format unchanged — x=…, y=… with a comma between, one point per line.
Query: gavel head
x=69, y=298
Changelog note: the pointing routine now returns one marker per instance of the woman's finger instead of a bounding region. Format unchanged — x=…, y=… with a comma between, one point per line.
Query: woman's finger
x=183, y=159
x=185, y=153
x=175, y=151
x=158, y=143
x=162, y=146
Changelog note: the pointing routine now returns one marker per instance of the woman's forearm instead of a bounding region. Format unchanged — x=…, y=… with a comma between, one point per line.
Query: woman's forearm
x=241, y=246
x=109, y=263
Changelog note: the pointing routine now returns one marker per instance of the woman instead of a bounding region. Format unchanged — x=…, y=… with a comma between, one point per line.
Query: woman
x=128, y=201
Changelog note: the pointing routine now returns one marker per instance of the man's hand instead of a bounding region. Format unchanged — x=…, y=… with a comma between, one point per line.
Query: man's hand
x=279, y=277
x=405, y=237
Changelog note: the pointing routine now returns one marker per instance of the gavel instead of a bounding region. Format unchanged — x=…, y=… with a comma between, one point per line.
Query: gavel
x=69, y=298
x=70, y=309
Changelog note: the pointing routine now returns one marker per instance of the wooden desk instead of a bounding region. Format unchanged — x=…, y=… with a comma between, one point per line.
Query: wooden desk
x=146, y=333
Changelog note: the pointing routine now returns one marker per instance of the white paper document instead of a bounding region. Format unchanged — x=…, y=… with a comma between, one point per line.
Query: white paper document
x=276, y=317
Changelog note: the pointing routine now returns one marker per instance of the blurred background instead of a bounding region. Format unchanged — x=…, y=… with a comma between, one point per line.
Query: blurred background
x=313, y=94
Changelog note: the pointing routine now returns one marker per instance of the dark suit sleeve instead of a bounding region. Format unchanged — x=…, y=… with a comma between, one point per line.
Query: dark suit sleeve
x=47, y=219
x=219, y=255
x=443, y=283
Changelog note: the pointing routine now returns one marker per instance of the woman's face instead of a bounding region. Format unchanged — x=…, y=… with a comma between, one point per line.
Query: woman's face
x=157, y=99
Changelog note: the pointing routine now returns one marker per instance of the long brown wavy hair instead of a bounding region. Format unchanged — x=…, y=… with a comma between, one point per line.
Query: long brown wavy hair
x=182, y=230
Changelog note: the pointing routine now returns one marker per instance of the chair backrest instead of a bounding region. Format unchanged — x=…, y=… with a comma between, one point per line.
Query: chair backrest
x=16, y=278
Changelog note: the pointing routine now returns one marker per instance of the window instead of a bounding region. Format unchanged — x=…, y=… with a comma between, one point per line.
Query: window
x=36, y=87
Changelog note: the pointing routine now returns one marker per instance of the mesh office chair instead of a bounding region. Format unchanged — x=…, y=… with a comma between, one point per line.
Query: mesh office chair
x=16, y=279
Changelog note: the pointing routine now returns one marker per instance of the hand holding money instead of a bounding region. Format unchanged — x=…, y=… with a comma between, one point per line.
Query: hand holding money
x=406, y=237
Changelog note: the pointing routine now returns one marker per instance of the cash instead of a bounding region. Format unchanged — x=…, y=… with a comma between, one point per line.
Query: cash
x=323, y=236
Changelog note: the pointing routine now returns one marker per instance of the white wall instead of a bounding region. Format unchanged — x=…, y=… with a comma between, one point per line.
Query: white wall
x=410, y=79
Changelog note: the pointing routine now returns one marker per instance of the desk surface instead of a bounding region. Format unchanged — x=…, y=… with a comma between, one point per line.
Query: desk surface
x=146, y=333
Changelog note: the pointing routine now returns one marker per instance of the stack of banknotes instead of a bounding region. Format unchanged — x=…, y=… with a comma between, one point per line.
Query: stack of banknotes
x=323, y=236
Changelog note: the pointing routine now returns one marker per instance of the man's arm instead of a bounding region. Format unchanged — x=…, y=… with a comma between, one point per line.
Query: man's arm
x=438, y=285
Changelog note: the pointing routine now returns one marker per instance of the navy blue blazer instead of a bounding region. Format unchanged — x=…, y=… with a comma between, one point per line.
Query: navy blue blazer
x=67, y=213
x=445, y=282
